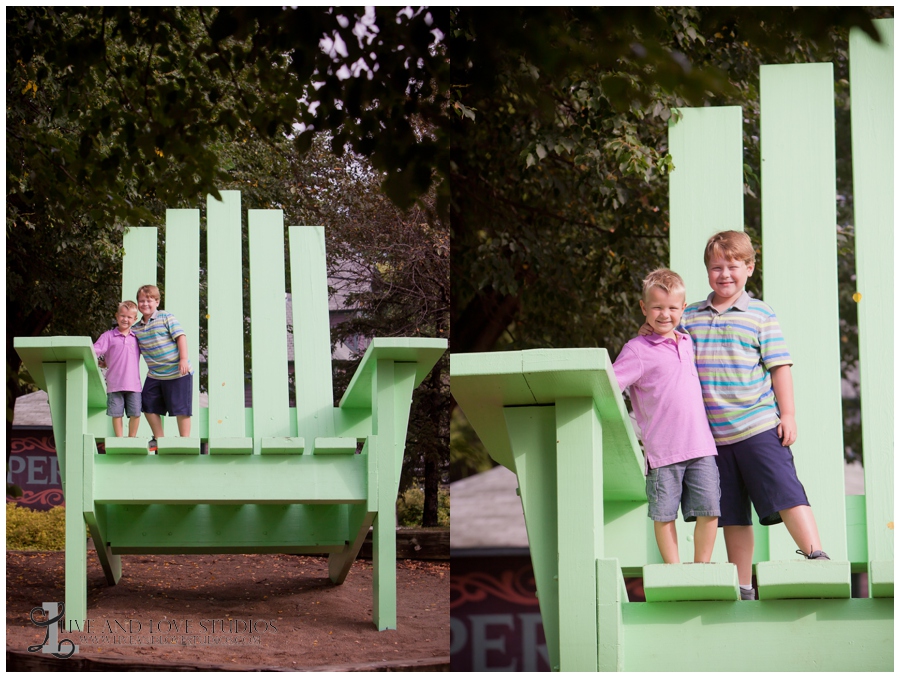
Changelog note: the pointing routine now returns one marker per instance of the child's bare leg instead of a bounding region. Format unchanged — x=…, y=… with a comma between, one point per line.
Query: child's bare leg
x=184, y=425
x=739, y=545
x=133, y=423
x=801, y=524
x=117, y=426
x=667, y=540
x=705, y=537
x=155, y=422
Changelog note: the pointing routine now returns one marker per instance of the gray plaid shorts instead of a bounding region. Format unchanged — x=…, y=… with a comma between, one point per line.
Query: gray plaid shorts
x=693, y=483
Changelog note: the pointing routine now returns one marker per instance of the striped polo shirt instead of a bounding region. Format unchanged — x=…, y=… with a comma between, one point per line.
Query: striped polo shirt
x=157, y=339
x=735, y=351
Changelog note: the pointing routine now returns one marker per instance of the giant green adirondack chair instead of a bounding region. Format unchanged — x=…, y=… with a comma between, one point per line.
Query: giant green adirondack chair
x=556, y=418
x=277, y=479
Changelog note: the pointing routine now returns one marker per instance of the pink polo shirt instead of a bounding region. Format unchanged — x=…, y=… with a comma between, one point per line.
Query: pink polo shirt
x=666, y=396
x=123, y=358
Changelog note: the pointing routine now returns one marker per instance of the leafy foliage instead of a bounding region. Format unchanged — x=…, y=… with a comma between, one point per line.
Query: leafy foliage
x=30, y=530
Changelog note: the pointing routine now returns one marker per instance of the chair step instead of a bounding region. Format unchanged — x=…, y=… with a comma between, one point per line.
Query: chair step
x=127, y=445
x=779, y=579
x=881, y=578
x=691, y=581
x=335, y=446
x=178, y=445
x=282, y=446
x=231, y=445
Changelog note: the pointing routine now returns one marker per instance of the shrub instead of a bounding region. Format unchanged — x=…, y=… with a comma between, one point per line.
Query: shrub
x=410, y=506
x=31, y=530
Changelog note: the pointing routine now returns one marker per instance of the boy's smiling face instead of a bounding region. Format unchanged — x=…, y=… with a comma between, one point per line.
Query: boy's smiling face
x=663, y=310
x=727, y=278
x=147, y=305
x=125, y=318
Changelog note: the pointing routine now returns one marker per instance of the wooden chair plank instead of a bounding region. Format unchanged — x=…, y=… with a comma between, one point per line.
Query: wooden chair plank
x=182, y=293
x=706, y=189
x=225, y=317
x=139, y=269
x=312, y=332
x=800, y=281
x=268, y=342
x=691, y=581
x=872, y=128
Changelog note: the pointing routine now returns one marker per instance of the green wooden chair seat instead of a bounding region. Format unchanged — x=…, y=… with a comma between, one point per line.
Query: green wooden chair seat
x=691, y=581
x=803, y=579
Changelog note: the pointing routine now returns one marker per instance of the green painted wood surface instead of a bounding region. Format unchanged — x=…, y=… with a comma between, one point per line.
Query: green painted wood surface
x=127, y=446
x=335, y=446
x=208, y=528
x=210, y=479
x=706, y=189
x=764, y=635
x=96, y=520
x=138, y=269
x=803, y=579
x=268, y=343
x=532, y=439
x=384, y=545
x=800, y=281
x=225, y=316
x=76, y=541
x=484, y=383
x=182, y=293
x=706, y=195
x=881, y=579
x=611, y=594
x=282, y=445
x=579, y=471
x=691, y=581
x=872, y=127
x=312, y=336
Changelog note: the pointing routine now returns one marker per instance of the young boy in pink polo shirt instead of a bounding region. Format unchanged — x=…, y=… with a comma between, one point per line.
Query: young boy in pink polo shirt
x=668, y=405
x=123, y=377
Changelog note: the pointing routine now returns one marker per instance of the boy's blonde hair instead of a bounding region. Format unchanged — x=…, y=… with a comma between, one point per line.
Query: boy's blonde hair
x=734, y=245
x=151, y=291
x=666, y=280
x=130, y=305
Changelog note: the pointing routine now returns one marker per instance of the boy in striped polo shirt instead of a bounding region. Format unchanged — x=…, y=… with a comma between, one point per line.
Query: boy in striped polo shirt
x=745, y=374
x=167, y=388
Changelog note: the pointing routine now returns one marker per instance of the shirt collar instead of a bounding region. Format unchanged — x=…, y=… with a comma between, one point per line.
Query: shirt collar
x=147, y=322
x=741, y=304
x=659, y=339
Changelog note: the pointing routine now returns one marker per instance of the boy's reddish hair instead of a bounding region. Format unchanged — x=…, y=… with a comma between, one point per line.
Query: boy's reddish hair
x=151, y=291
x=734, y=245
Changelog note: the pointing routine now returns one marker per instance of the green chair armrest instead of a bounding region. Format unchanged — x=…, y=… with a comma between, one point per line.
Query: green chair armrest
x=425, y=352
x=35, y=351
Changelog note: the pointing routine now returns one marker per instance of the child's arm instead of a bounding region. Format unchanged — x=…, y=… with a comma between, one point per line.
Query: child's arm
x=783, y=385
x=183, y=366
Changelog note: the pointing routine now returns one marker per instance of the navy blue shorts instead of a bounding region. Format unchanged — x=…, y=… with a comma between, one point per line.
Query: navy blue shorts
x=760, y=470
x=170, y=397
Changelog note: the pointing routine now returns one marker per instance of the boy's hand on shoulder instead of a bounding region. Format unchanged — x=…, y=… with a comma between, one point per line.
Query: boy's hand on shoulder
x=787, y=430
x=645, y=330
x=183, y=367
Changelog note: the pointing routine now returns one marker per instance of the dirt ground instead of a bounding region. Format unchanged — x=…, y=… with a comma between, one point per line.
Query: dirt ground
x=235, y=611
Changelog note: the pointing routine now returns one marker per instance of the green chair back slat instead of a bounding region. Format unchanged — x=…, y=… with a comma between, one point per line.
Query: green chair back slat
x=706, y=189
x=182, y=292
x=872, y=127
x=225, y=316
x=312, y=333
x=800, y=280
x=139, y=269
x=268, y=344
x=706, y=195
